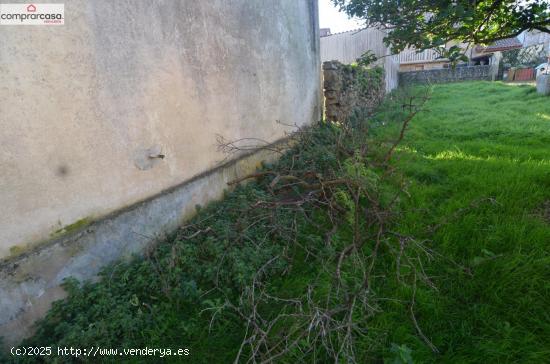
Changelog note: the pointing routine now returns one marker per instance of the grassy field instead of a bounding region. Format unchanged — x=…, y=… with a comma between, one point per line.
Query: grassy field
x=479, y=164
x=476, y=163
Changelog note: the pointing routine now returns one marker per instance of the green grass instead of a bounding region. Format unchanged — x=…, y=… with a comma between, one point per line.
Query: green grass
x=479, y=158
x=477, y=163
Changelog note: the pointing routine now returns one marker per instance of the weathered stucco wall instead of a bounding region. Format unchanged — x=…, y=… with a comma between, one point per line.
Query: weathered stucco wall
x=82, y=102
x=84, y=105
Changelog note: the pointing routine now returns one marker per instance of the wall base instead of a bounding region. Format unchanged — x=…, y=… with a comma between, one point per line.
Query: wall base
x=30, y=282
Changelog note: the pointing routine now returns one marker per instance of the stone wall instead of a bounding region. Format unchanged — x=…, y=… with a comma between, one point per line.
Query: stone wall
x=350, y=88
x=347, y=47
x=444, y=75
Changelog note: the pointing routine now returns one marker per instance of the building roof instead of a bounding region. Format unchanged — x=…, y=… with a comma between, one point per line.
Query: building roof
x=503, y=45
x=346, y=31
x=324, y=32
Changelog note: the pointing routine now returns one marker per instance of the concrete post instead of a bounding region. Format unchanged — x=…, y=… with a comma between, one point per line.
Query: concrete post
x=543, y=84
x=495, y=64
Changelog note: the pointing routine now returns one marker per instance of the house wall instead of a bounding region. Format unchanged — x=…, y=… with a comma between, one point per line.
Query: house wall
x=348, y=46
x=407, y=67
x=85, y=105
x=411, y=59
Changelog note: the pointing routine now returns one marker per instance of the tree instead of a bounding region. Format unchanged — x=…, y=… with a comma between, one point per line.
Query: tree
x=424, y=24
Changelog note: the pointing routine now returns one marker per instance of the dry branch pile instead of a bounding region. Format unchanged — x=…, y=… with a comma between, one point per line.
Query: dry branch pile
x=287, y=268
x=350, y=195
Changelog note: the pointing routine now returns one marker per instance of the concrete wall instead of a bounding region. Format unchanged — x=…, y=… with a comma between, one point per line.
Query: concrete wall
x=457, y=74
x=84, y=106
x=346, y=47
x=543, y=85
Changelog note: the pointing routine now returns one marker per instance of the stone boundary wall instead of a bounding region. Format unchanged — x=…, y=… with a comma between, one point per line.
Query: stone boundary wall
x=349, y=88
x=346, y=47
x=444, y=75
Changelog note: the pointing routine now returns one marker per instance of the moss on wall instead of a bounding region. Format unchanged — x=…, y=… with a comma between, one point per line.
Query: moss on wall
x=77, y=225
x=351, y=88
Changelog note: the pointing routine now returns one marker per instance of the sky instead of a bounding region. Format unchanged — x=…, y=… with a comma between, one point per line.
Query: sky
x=330, y=17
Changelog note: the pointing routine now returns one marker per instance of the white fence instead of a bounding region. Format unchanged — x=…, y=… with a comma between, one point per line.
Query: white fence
x=412, y=56
x=347, y=47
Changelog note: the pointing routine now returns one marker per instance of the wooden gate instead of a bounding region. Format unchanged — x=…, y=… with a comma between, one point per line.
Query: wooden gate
x=523, y=74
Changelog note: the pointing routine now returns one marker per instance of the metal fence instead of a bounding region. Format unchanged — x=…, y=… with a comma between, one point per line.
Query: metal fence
x=413, y=56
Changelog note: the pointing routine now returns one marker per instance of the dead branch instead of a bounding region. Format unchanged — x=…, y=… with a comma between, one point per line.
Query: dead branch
x=327, y=317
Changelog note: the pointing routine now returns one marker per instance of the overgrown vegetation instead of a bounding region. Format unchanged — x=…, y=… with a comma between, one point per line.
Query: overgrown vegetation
x=333, y=254
x=288, y=264
x=479, y=169
x=368, y=78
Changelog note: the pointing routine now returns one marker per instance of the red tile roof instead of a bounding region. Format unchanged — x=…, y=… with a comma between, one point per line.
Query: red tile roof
x=503, y=45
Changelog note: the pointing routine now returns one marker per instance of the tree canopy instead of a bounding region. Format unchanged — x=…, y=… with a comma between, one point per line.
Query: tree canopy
x=424, y=24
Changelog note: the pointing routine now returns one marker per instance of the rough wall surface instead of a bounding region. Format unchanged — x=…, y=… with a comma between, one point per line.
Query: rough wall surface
x=89, y=108
x=443, y=75
x=351, y=88
x=346, y=47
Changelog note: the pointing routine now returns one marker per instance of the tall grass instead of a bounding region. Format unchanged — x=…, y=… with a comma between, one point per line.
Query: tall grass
x=479, y=164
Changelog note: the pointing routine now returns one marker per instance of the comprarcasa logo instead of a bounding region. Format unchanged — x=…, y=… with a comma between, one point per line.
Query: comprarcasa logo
x=32, y=14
